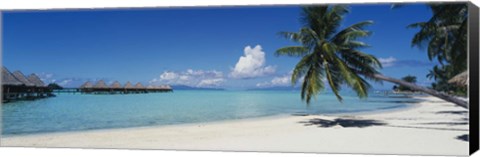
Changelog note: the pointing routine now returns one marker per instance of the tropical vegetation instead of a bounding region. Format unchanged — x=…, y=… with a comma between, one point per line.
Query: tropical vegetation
x=334, y=56
x=409, y=79
x=445, y=37
x=330, y=54
x=54, y=86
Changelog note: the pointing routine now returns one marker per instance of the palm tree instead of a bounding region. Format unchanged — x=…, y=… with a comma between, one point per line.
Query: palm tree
x=53, y=86
x=409, y=79
x=441, y=75
x=334, y=56
x=445, y=35
x=330, y=54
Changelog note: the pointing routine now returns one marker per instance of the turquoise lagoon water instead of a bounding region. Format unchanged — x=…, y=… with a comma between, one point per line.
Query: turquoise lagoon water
x=75, y=112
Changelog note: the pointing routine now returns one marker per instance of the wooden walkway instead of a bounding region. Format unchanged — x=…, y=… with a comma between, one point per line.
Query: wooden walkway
x=111, y=90
x=17, y=86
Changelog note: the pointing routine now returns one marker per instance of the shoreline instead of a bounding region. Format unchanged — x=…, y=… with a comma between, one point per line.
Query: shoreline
x=425, y=128
x=268, y=117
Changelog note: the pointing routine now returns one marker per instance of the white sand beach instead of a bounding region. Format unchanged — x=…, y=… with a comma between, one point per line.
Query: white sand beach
x=432, y=127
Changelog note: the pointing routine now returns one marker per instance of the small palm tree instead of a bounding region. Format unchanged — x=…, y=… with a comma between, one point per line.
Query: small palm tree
x=334, y=56
x=409, y=79
x=330, y=54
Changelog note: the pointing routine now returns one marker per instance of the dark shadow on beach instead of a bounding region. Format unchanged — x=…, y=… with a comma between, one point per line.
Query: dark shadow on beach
x=396, y=101
x=301, y=114
x=342, y=122
x=453, y=112
x=446, y=123
x=463, y=137
x=361, y=123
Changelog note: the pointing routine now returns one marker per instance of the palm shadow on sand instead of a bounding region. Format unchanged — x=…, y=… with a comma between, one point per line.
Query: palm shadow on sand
x=463, y=137
x=346, y=123
x=453, y=112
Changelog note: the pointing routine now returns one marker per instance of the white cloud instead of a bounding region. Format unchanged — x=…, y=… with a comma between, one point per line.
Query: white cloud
x=284, y=80
x=251, y=64
x=195, y=78
x=211, y=82
x=168, y=76
x=46, y=77
x=387, y=62
x=65, y=82
x=277, y=81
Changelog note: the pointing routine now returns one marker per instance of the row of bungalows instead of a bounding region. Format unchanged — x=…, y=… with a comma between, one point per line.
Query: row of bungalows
x=17, y=86
x=116, y=88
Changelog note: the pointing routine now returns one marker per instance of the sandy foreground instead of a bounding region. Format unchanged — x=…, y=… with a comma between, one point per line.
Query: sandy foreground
x=431, y=127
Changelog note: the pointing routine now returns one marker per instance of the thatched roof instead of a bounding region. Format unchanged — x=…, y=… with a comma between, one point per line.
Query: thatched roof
x=128, y=85
x=8, y=78
x=87, y=84
x=100, y=84
x=139, y=85
x=150, y=87
x=20, y=77
x=35, y=80
x=460, y=79
x=116, y=84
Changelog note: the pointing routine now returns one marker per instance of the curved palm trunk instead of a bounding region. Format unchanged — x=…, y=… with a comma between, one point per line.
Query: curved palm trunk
x=432, y=92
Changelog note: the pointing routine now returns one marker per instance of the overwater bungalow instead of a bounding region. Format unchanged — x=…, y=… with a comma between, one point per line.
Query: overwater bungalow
x=29, y=87
x=33, y=78
x=163, y=88
x=41, y=90
x=140, y=88
x=15, y=86
x=100, y=87
x=11, y=87
x=86, y=87
x=128, y=85
x=87, y=84
x=20, y=77
x=152, y=88
x=116, y=87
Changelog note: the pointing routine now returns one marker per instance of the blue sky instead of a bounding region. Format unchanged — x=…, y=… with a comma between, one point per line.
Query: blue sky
x=228, y=47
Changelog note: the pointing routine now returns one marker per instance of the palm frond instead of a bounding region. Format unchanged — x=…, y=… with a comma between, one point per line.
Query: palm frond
x=301, y=68
x=293, y=51
x=352, y=32
x=333, y=83
x=329, y=54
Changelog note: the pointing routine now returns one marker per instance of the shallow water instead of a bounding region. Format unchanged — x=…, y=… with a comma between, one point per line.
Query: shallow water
x=74, y=112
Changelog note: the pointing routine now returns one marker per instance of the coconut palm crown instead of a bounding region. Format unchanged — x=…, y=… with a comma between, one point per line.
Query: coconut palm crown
x=329, y=54
x=445, y=35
